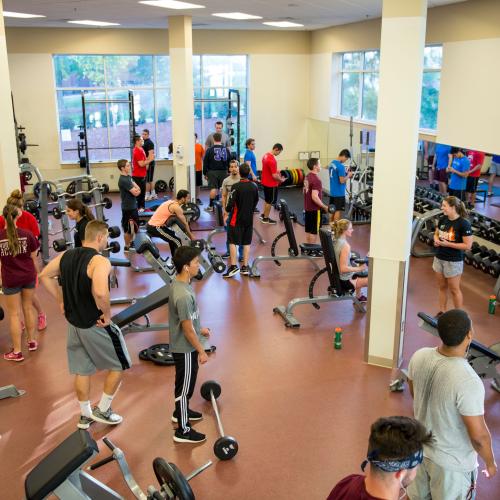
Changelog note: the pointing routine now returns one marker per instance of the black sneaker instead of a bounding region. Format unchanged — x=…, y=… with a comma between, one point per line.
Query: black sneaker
x=256, y=211
x=271, y=221
x=84, y=422
x=106, y=417
x=231, y=271
x=226, y=255
x=189, y=437
x=240, y=259
x=245, y=270
x=192, y=415
x=198, y=201
x=262, y=218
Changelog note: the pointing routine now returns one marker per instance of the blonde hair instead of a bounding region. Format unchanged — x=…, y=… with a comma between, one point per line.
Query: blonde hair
x=10, y=212
x=339, y=227
x=93, y=228
x=16, y=199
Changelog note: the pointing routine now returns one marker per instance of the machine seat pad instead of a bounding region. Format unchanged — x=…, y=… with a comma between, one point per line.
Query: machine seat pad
x=143, y=243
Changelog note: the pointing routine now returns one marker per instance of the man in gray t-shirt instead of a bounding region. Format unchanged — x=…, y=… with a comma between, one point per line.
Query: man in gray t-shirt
x=225, y=141
x=129, y=191
x=185, y=342
x=449, y=401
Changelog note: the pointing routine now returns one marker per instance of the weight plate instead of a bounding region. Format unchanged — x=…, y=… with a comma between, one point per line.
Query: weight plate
x=225, y=448
x=71, y=189
x=143, y=355
x=210, y=385
x=171, y=184
x=169, y=476
x=191, y=210
x=159, y=354
x=160, y=186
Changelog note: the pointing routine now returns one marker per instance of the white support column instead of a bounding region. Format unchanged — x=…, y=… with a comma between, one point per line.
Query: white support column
x=180, y=39
x=9, y=169
x=401, y=66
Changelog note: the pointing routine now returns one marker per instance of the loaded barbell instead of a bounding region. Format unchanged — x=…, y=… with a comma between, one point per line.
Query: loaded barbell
x=225, y=447
x=106, y=203
x=61, y=244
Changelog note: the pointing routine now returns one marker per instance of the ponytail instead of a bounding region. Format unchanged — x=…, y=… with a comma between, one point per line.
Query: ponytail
x=10, y=213
x=16, y=199
x=458, y=205
x=339, y=227
x=78, y=206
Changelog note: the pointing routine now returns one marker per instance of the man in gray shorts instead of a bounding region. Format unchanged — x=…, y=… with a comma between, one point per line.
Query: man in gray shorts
x=494, y=171
x=215, y=167
x=94, y=343
x=449, y=399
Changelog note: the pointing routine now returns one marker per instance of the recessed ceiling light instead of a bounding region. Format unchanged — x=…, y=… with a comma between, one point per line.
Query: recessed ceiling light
x=20, y=15
x=283, y=24
x=240, y=16
x=88, y=22
x=172, y=4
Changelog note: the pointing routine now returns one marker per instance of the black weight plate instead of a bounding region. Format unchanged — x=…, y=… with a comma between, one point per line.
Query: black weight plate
x=159, y=354
x=225, y=448
x=143, y=355
x=2, y=314
x=169, y=475
x=210, y=385
x=160, y=186
x=192, y=210
x=171, y=184
x=71, y=189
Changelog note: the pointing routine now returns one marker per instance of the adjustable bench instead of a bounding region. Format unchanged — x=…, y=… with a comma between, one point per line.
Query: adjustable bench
x=293, y=248
x=60, y=472
x=335, y=290
x=484, y=360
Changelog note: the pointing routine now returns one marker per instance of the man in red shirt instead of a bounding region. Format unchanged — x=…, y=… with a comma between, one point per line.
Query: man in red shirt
x=313, y=204
x=395, y=450
x=270, y=181
x=140, y=169
x=476, y=159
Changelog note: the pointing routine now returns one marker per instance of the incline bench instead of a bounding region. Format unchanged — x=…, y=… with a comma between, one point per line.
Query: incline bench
x=484, y=360
x=293, y=248
x=335, y=289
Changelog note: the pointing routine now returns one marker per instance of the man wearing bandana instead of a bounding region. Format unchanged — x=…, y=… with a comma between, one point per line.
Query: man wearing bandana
x=449, y=399
x=395, y=450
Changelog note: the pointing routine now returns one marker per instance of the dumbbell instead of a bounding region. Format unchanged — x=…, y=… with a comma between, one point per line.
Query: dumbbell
x=479, y=256
x=494, y=269
x=494, y=232
x=225, y=447
x=469, y=254
x=60, y=245
x=106, y=203
x=331, y=209
x=199, y=244
x=216, y=261
x=114, y=232
x=105, y=188
x=488, y=261
x=113, y=247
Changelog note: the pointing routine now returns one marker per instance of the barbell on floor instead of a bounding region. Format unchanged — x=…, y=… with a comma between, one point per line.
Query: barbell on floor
x=225, y=447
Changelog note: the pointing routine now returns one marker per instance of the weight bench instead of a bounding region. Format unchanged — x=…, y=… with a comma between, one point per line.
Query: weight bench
x=293, y=248
x=483, y=360
x=220, y=229
x=335, y=289
x=60, y=472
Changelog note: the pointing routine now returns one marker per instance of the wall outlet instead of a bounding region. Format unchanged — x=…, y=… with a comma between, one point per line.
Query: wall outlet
x=112, y=176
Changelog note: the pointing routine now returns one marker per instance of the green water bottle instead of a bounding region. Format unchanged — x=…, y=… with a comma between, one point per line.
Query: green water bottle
x=337, y=343
x=492, y=304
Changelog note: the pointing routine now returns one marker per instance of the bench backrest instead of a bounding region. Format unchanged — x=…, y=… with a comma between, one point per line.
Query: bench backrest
x=325, y=238
x=290, y=233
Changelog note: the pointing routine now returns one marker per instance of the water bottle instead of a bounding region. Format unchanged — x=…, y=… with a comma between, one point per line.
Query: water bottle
x=337, y=343
x=492, y=304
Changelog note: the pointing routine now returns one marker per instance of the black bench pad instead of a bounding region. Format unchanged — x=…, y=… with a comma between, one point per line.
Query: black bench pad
x=143, y=243
x=116, y=262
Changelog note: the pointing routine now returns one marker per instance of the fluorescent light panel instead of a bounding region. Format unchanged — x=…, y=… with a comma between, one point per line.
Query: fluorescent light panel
x=20, y=15
x=88, y=22
x=283, y=24
x=172, y=4
x=239, y=16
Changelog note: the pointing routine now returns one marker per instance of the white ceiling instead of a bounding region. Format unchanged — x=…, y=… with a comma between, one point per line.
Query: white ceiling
x=314, y=14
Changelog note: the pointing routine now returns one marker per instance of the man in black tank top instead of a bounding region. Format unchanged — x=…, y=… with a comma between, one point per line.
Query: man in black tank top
x=94, y=343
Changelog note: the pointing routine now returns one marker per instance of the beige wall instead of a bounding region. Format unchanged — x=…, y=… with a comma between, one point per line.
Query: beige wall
x=278, y=82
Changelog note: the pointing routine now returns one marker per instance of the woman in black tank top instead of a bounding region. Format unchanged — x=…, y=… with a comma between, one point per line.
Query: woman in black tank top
x=77, y=211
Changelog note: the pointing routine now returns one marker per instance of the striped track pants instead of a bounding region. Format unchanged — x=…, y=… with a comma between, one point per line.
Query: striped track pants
x=186, y=371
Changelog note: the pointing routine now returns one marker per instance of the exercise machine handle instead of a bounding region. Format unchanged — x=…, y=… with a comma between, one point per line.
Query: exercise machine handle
x=109, y=444
x=102, y=462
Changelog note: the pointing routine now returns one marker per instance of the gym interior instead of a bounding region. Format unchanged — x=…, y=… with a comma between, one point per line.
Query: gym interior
x=299, y=404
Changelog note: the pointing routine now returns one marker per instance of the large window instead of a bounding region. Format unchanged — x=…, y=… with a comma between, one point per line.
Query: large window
x=111, y=76
x=359, y=84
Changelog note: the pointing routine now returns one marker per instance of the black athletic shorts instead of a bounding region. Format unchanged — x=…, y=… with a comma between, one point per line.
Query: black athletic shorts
x=458, y=194
x=471, y=184
x=199, y=178
x=240, y=235
x=151, y=172
x=127, y=216
x=339, y=202
x=270, y=194
x=215, y=178
x=312, y=221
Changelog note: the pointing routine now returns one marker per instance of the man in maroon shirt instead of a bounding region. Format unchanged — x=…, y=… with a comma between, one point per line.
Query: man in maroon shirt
x=140, y=169
x=270, y=181
x=313, y=204
x=395, y=450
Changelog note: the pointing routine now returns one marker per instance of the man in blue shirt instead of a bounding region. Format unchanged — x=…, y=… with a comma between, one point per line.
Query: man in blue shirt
x=338, y=178
x=250, y=159
x=441, y=162
x=459, y=170
x=494, y=171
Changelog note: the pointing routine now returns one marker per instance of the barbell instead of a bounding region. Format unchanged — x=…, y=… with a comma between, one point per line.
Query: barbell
x=61, y=245
x=106, y=203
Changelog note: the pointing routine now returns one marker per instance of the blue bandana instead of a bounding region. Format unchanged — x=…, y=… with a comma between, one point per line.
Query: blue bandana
x=394, y=465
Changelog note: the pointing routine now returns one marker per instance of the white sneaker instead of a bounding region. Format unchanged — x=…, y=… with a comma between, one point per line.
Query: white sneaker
x=153, y=196
x=147, y=197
